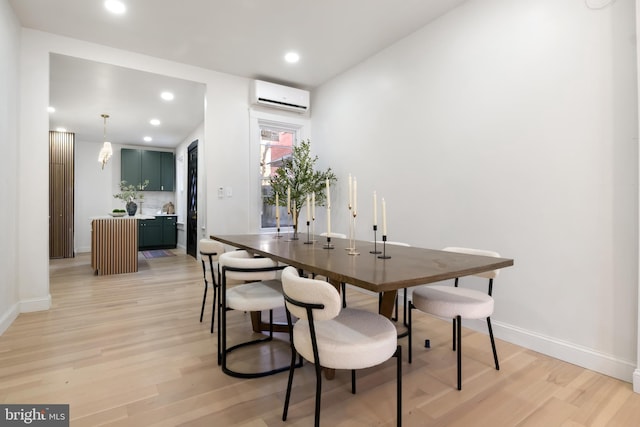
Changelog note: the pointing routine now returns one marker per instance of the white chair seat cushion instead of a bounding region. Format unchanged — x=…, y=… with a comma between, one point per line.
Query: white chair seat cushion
x=355, y=339
x=450, y=301
x=256, y=296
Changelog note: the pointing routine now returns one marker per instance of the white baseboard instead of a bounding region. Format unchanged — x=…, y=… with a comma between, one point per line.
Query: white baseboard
x=569, y=352
x=35, y=304
x=636, y=380
x=7, y=318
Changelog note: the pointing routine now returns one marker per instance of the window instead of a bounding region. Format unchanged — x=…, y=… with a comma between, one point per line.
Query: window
x=275, y=145
x=273, y=137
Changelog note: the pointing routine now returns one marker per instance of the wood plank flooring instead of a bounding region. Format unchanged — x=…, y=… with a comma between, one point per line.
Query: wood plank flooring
x=129, y=350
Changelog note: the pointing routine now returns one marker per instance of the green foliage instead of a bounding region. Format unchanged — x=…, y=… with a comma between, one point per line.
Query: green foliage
x=131, y=193
x=297, y=172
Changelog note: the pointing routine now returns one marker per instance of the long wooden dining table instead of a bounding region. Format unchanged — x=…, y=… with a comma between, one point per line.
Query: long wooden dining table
x=404, y=267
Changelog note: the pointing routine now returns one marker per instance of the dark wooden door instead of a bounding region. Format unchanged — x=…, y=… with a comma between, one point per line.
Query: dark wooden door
x=192, y=200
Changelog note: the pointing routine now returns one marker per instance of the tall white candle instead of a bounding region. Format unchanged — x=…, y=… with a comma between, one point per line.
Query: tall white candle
x=375, y=208
x=288, y=200
x=329, y=221
x=384, y=217
x=328, y=194
x=350, y=191
x=308, y=209
x=313, y=206
x=355, y=196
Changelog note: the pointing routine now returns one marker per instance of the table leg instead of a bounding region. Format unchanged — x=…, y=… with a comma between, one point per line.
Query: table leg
x=388, y=303
x=259, y=326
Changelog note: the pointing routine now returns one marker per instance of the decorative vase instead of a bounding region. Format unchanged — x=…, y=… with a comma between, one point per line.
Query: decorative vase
x=131, y=208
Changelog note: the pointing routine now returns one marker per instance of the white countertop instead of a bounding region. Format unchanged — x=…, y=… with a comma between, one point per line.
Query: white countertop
x=137, y=216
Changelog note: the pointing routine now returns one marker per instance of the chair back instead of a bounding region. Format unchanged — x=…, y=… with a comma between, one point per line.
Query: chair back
x=209, y=246
x=301, y=292
x=492, y=274
x=238, y=265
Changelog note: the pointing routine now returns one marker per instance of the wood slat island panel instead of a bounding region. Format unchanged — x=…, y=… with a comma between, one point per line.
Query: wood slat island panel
x=114, y=245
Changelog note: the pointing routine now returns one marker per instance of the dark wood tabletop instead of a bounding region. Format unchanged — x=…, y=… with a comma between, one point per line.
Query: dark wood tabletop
x=406, y=267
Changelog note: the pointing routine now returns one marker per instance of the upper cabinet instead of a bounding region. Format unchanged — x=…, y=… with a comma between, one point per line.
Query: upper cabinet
x=156, y=166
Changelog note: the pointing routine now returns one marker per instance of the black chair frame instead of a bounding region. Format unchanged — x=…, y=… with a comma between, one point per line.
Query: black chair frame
x=216, y=288
x=318, y=364
x=223, y=351
x=457, y=337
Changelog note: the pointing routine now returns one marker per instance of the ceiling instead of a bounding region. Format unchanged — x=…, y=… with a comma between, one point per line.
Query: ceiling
x=246, y=38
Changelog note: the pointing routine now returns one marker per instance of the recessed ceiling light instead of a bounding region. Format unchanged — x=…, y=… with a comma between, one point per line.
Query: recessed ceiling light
x=147, y=139
x=115, y=6
x=292, y=57
x=167, y=96
x=155, y=122
x=61, y=129
x=51, y=109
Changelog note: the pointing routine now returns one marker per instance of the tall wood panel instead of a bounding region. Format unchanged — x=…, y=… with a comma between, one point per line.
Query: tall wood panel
x=61, y=201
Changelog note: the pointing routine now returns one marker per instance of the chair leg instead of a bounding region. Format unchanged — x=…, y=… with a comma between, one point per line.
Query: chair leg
x=399, y=385
x=455, y=329
x=292, y=368
x=344, y=294
x=206, y=286
x=353, y=381
x=318, y=394
x=219, y=321
x=459, y=339
x=409, y=326
x=204, y=299
x=404, y=310
x=213, y=309
x=493, y=344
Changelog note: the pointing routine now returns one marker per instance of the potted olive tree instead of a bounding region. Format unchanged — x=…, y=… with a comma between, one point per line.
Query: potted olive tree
x=129, y=194
x=298, y=179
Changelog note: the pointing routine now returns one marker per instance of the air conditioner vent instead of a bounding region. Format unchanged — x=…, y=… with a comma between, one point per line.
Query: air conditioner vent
x=279, y=96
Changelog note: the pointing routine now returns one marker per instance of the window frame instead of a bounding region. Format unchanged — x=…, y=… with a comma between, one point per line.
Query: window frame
x=299, y=125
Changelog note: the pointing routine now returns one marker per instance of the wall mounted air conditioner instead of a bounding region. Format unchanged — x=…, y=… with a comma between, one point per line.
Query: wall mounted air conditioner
x=278, y=96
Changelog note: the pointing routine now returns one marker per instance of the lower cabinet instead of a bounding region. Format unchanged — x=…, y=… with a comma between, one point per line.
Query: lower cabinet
x=159, y=233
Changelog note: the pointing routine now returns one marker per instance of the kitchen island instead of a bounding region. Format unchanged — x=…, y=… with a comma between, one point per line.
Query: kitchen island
x=114, y=244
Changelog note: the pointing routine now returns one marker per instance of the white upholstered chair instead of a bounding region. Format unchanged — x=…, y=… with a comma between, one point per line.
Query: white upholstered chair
x=210, y=250
x=334, y=337
x=457, y=303
x=261, y=289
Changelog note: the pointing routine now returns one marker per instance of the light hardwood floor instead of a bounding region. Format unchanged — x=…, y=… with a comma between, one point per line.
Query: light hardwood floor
x=128, y=350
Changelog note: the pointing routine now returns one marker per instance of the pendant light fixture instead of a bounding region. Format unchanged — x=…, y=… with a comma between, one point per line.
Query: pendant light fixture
x=106, y=152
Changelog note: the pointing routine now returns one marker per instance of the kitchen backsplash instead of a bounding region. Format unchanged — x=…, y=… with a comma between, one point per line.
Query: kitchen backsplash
x=155, y=200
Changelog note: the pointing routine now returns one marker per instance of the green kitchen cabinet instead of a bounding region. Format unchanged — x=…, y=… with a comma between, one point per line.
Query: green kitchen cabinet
x=169, y=231
x=159, y=233
x=150, y=169
x=149, y=234
x=130, y=161
x=158, y=167
x=168, y=169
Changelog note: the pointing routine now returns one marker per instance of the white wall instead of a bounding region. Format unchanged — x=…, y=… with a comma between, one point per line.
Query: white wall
x=226, y=133
x=9, y=81
x=509, y=125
